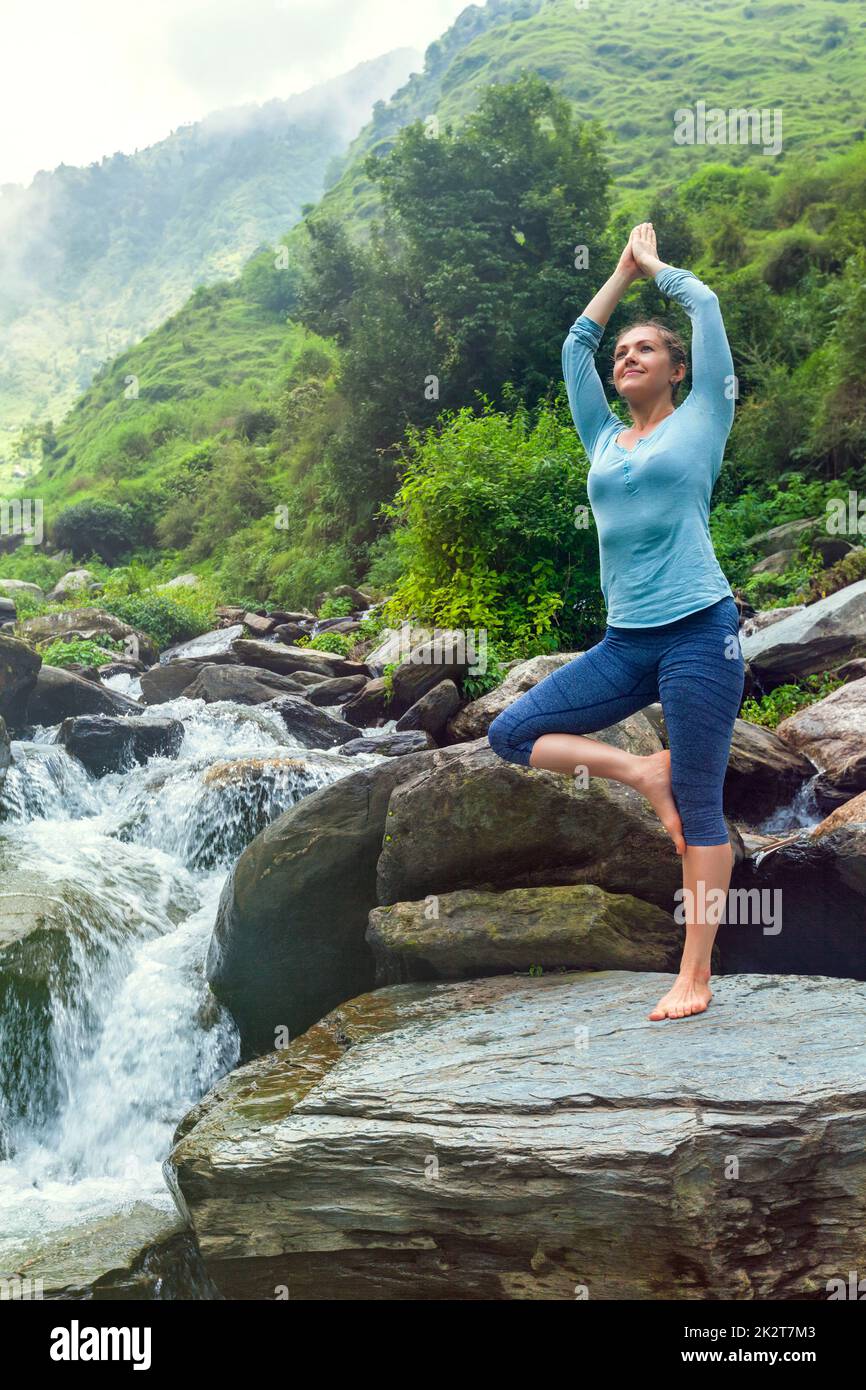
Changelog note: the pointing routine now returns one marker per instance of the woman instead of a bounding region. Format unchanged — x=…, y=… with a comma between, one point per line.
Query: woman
x=673, y=626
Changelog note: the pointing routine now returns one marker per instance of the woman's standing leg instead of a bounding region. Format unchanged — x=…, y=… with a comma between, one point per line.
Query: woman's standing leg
x=701, y=685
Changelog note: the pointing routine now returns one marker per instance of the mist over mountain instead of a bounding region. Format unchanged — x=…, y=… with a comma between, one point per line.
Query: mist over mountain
x=92, y=258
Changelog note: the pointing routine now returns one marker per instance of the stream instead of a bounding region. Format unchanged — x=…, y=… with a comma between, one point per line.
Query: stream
x=94, y=1079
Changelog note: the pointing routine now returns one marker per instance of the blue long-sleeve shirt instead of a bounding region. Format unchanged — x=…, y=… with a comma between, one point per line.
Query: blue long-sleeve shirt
x=652, y=503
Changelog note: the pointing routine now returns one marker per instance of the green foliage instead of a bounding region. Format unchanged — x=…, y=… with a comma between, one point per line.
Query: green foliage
x=133, y=595
x=99, y=528
x=29, y=606
x=849, y=570
x=771, y=709
x=338, y=642
x=388, y=680
x=33, y=566
x=751, y=511
x=80, y=652
x=369, y=628
x=334, y=607
x=473, y=687
x=163, y=619
x=491, y=530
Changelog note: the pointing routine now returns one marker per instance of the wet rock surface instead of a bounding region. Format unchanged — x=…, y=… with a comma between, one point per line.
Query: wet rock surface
x=525, y=1138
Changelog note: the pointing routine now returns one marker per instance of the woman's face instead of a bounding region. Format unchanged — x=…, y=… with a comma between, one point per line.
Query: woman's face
x=642, y=368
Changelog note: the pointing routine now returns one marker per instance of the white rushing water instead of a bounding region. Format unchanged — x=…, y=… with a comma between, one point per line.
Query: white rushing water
x=802, y=812
x=97, y=1068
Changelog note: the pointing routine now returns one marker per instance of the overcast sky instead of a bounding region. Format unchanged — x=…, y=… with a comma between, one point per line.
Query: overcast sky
x=83, y=78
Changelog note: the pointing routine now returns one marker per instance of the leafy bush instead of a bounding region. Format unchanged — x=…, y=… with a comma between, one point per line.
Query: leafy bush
x=33, y=566
x=80, y=652
x=131, y=594
x=100, y=528
x=333, y=607
x=160, y=618
x=771, y=709
x=495, y=531
x=28, y=605
x=329, y=642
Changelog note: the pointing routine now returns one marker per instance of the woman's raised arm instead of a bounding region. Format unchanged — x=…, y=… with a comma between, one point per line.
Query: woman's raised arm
x=589, y=405
x=713, y=380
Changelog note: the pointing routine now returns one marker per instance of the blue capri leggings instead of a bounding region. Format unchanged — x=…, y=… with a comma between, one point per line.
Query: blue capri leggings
x=694, y=666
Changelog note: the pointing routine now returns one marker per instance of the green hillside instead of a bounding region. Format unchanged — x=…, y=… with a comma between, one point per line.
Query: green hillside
x=631, y=66
x=93, y=258
x=355, y=413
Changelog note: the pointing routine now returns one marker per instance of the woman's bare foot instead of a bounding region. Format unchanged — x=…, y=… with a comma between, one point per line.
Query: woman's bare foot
x=690, y=995
x=653, y=780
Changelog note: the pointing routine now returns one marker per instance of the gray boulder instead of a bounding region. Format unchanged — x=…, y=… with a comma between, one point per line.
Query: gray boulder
x=800, y=908
x=207, y=647
x=369, y=705
x=183, y=581
x=74, y=582
x=523, y=827
x=104, y=743
x=831, y=733
x=13, y=587
x=764, y=772
x=432, y=712
x=90, y=624
x=288, y=943
x=541, y=1139
x=19, y=668
x=820, y=636
x=141, y=1252
x=311, y=726
x=171, y=680
x=275, y=656
x=247, y=685
x=389, y=745
x=475, y=932
x=59, y=694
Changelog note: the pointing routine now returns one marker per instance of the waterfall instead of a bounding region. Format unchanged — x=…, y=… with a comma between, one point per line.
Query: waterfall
x=105, y=1048
x=802, y=812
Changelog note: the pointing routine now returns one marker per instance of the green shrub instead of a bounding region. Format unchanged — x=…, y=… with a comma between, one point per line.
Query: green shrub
x=330, y=642
x=100, y=528
x=848, y=570
x=28, y=605
x=333, y=607
x=80, y=652
x=31, y=565
x=769, y=710
x=165, y=620
x=495, y=531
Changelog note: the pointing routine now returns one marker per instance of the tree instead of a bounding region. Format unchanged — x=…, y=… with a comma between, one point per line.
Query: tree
x=95, y=528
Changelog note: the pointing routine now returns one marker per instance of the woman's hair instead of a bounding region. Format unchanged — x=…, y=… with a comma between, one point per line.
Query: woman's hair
x=671, y=340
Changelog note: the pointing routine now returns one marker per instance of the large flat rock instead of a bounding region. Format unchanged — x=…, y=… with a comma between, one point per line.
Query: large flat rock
x=532, y=1138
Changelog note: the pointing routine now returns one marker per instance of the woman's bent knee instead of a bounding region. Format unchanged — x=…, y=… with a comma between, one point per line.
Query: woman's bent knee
x=499, y=738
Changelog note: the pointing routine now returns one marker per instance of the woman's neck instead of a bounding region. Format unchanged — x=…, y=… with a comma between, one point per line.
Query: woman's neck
x=651, y=414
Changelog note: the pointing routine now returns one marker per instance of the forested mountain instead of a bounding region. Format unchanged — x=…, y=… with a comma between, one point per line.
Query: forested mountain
x=385, y=403
x=634, y=65
x=91, y=259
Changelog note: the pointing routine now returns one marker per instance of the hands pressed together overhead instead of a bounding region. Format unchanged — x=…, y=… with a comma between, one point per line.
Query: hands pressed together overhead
x=640, y=257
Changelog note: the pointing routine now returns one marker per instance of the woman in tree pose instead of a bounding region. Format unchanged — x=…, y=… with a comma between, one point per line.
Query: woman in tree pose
x=673, y=627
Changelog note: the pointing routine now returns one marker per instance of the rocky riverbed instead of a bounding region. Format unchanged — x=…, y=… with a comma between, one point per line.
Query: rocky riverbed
x=304, y=992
